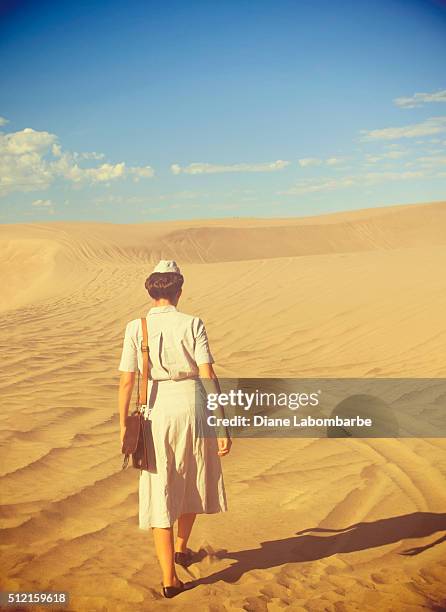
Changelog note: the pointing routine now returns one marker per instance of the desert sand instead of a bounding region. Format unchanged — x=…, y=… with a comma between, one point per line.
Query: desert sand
x=353, y=294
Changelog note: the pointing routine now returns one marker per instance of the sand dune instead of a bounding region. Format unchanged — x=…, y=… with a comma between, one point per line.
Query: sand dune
x=357, y=294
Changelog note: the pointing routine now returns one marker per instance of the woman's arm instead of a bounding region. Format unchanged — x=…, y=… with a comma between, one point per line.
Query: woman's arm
x=206, y=371
x=126, y=383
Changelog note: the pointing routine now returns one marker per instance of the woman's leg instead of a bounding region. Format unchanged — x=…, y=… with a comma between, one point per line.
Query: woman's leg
x=185, y=524
x=163, y=538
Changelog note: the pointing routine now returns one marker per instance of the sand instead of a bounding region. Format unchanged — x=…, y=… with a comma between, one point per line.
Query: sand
x=353, y=294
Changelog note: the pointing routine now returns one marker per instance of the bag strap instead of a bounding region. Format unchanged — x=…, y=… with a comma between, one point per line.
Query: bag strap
x=142, y=394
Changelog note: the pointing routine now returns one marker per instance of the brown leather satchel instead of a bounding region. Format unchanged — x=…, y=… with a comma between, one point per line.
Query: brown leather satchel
x=138, y=439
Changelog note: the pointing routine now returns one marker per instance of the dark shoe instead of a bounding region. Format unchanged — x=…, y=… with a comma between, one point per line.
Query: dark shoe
x=172, y=591
x=184, y=559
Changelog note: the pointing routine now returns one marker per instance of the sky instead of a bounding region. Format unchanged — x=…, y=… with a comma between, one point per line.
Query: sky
x=140, y=111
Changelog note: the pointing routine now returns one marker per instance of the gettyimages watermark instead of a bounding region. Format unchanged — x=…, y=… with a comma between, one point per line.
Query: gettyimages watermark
x=323, y=407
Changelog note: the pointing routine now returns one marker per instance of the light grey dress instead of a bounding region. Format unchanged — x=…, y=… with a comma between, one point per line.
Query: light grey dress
x=188, y=475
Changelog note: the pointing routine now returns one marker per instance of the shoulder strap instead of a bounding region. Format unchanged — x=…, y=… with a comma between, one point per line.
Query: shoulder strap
x=145, y=362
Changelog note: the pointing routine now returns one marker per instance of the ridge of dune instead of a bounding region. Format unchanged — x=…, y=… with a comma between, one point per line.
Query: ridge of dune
x=241, y=239
x=214, y=244
x=39, y=260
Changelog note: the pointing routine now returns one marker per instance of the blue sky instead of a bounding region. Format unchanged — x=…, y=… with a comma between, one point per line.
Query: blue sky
x=140, y=111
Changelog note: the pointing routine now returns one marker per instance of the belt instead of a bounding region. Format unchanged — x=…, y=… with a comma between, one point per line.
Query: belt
x=160, y=380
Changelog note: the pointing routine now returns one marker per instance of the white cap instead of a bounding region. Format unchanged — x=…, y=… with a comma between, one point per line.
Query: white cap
x=167, y=265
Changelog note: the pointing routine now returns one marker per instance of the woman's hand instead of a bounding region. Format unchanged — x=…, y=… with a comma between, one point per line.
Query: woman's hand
x=224, y=446
x=206, y=372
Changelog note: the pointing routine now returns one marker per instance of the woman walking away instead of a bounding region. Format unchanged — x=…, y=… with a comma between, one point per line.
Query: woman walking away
x=188, y=479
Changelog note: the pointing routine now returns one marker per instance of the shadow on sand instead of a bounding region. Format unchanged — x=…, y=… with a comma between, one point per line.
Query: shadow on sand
x=309, y=547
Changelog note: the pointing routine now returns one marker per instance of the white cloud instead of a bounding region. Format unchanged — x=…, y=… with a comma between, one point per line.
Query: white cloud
x=26, y=141
x=91, y=155
x=366, y=179
x=42, y=203
x=22, y=163
x=393, y=154
x=103, y=173
x=432, y=160
x=334, y=161
x=419, y=99
x=56, y=150
x=313, y=186
x=141, y=172
x=3, y=121
x=371, y=178
x=305, y=162
x=434, y=125
x=204, y=168
x=32, y=160
x=66, y=167
x=309, y=161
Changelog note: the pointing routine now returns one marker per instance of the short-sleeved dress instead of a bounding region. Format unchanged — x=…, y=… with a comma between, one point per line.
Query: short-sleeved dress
x=188, y=477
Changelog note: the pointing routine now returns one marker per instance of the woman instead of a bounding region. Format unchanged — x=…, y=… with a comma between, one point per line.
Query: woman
x=188, y=478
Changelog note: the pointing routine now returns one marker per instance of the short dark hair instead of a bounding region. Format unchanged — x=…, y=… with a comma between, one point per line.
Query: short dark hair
x=164, y=285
